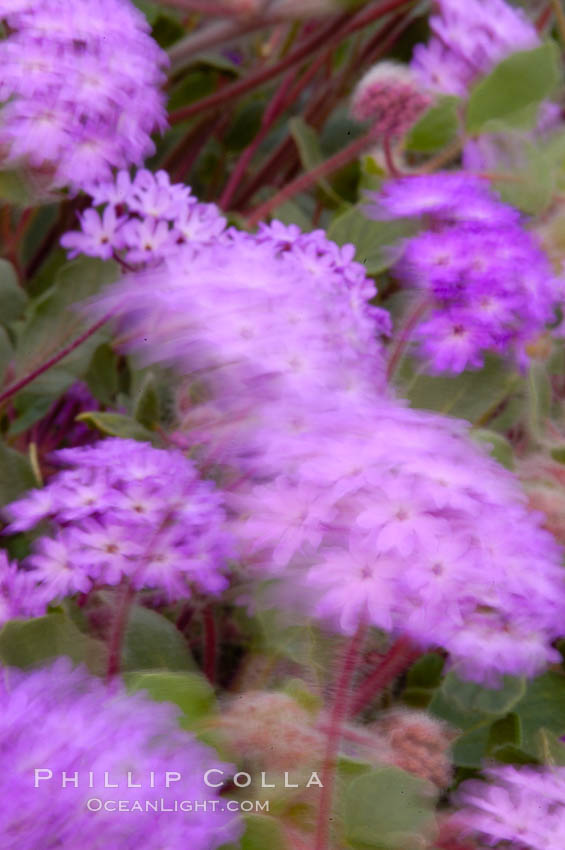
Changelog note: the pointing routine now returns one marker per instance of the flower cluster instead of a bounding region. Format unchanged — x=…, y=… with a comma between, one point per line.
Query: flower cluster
x=519, y=807
x=124, y=511
x=485, y=283
x=468, y=40
x=80, y=88
x=358, y=507
x=17, y=598
x=142, y=219
x=389, y=96
x=64, y=723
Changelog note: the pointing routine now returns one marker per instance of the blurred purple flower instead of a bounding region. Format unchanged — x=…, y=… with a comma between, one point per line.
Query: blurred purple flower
x=125, y=511
x=65, y=723
x=81, y=88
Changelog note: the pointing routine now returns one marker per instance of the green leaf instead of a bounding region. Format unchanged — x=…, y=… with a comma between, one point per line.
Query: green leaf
x=16, y=474
x=116, y=425
x=499, y=447
x=27, y=643
x=375, y=241
x=506, y=730
x=510, y=754
x=528, y=182
x=470, y=395
x=473, y=710
x=291, y=213
x=422, y=679
x=102, y=374
x=436, y=129
x=6, y=353
x=151, y=642
x=426, y=671
x=389, y=808
x=473, y=697
x=146, y=402
x=245, y=126
x=558, y=454
x=310, y=151
x=262, y=833
x=551, y=748
x=543, y=705
x=538, y=398
x=524, y=78
x=15, y=189
x=13, y=298
x=190, y=691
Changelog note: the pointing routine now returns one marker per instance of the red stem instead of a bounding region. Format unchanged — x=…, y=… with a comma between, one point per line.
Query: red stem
x=120, y=622
x=286, y=148
x=389, y=157
x=334, y=732
x=400, y=655
x=344, y=25
x=544, y=18
x=210, y=643
x=23, y=382
x=229, y=93
x=276, y=107
x=304, y=181
x=404, y=337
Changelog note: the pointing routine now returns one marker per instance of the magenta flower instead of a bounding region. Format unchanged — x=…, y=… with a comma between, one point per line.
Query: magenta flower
x=81, y=89
x=59, y=722
x=125, y=511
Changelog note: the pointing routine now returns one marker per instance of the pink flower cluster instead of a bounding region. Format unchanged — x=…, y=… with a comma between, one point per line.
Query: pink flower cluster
x=357, y=507
x=123, y=511
x=468, y=40
x=142, y=220
x=64, y=723
x=80, y=88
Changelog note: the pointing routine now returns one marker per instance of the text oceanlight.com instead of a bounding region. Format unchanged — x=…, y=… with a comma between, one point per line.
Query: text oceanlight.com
x=95, y=804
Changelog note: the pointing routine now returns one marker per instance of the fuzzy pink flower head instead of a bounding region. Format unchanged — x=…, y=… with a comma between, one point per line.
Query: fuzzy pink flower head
x=389, y=97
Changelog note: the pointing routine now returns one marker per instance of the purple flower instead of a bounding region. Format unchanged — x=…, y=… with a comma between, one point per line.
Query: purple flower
x=81, y=88
x=125, y=511
x=58, y=723
x=17, y=598
x=486, y=283
x=518, y=807
x=350, y=504
x=468, y=40
x=144, y=220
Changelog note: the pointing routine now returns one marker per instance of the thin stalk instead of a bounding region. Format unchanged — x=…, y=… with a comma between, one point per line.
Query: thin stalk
x=399, y=657
x=344, y=25
x=125, y=599
x=305, y=181
x=27, y=379
x=210, y=643
x=333, y=736
x=559, y=18
x=404, y=337
x=442, y=158
x=389, y=157
x=273, y=111
x=317, y=109
x=544, y=18
x=230, y=93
